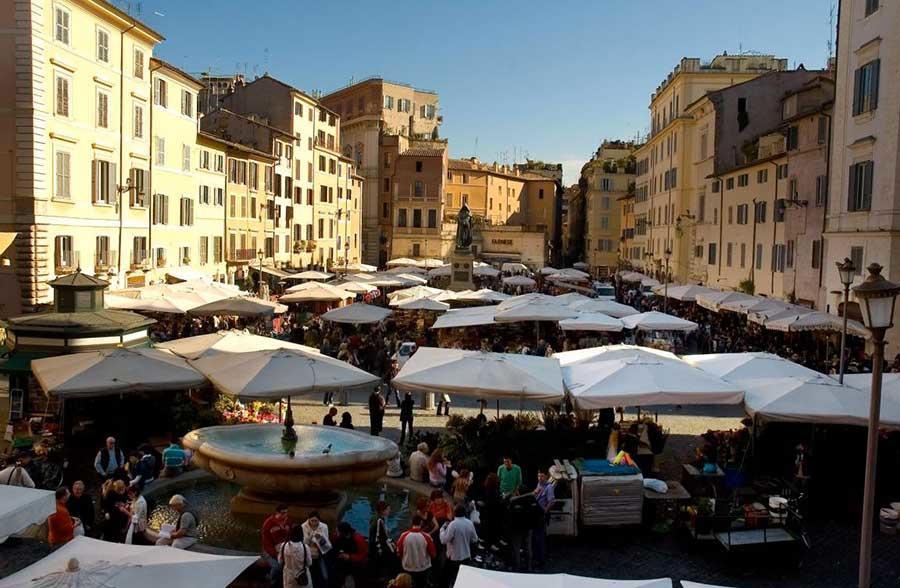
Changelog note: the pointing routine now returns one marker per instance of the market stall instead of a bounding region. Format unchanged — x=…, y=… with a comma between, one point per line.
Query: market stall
x=21, y=507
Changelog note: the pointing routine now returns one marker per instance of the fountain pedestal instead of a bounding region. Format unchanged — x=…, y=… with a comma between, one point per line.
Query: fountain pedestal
x=329, y=506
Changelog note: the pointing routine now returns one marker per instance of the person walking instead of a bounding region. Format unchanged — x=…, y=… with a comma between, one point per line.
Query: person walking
x=416, y=550
x=406, y=416
x=295, y=560
x=376, y=413
x=458, y=535
x=544, y=494
x=276, y=529
x=315, y=535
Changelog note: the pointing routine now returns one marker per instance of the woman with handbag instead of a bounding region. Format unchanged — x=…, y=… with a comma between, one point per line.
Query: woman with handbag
x=295, y=558
x=382, y=551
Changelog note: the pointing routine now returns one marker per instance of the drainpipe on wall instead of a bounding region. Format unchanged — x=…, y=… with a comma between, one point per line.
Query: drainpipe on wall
x=720, y=219
x=753, y=247
x=775, y=225
x=121, y=142
x=827, y=182
x=150, y=190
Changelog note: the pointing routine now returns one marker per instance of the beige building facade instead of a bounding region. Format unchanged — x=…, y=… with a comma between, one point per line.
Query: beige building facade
x=73, y=126
x=664, y=188
x=606, y=179
x=372, y=113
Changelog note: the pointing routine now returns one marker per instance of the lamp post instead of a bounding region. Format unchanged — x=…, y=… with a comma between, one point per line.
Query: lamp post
x=846, y=270
x=668, y=254
x=877, y=297
x=259, y=253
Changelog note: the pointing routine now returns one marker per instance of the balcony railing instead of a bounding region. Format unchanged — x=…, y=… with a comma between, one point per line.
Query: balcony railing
x=242, y=254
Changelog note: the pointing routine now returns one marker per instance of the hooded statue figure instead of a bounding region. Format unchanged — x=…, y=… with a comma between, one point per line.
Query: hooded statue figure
x=464, y=228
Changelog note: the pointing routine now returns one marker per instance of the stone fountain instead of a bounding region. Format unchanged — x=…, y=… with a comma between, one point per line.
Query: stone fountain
x=307, y=473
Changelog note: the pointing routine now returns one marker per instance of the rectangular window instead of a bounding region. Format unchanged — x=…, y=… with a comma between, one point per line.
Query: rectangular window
x=860, y=196
x=781, y=172
x=217, y=249
x=203, y=194
x=220, y=163
x=204, y=250
x=432, y=218
x=760, y=212
x=729, y=249
x=138, y=64
x=759, y=255
x=138, y=198
x=743, y=180
x=417, y=218
x=160, y=92
x=63, y=172
x=138, y=124
x=742, y=214
x=102, y=46
x=104, y=182
x=865, y=87
x=139, y=250
x=186, y=216
x=793, y=138
x=160, y=150
x=821, y=190
x=102, y=110
x=743, y=255
x=716, y=186
x=822, y=134
x=65, y=254
x=187, y=103
x=711, y=254
x=101, y=251
x=204, y=159
x=321, y=228
x=160, y=209
x=789, y=254
x=762, y=176
x=856, y=256
x=185, y=157
x=729, y=184
x=62, y=95
x=219, y=199
x=63, y=20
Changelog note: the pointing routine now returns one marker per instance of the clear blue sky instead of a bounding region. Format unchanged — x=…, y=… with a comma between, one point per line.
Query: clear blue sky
x=549, y=80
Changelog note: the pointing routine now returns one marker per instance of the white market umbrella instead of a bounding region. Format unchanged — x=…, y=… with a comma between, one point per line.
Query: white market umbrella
x=361, y=267
x=239, y=306
x=751, y=365
x=592, y=321
x=231, y=341
x=684, y=293
x=384, y=281
x=430, y=263
x=514, y=267
x=523, y=281
x=415, y=292
x=716, y=300
x=816, y=321
x=537, y=310
x=632, y=277
x=658, y=321
x=527, y=299
x=466, y=317
x=401, y=261
x=643, y=379
x=890, y=392
x=818, y=400
x=447, y=295
x=411, y=279
x=580, y=265
x=361, y=277
x=423, y=304
x=310, y=275
x=774, y=311
x=571, y=272
x=484, y=271
x=481, y=374
x=406, y=269
x=610, y=307
x=358, y=313
x=317, y=292
x=471, y=577
x=572, y=298
x=159, y=305
x=611, y=352
x=438, y=272
x=22, y=507
x=759, y=304
x=114, y=371
x=485, y=296
x=278, y=373
x=650, y=282
x=92, y=563
x=548, y=270
x=357, y=287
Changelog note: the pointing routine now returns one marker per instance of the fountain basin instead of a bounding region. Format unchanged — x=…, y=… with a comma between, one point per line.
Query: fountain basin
x=254, y=457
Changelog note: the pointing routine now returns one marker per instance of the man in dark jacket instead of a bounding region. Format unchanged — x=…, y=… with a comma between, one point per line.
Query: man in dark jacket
x=110, y=461
x=406, y=416
x=81, y=507
x=376, y=412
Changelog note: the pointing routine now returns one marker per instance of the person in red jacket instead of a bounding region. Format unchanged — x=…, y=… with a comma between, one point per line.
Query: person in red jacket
x=61, y=525
x=275, y=530
x=350, y=552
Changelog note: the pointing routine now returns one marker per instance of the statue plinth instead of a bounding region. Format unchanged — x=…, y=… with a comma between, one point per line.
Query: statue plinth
x=461, y=265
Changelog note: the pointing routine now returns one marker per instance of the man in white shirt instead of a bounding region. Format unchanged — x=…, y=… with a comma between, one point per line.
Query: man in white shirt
x=16, y=475
x=416, y=550
x=458, y=535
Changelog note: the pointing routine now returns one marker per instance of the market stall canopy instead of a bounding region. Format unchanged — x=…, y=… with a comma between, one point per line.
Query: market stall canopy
x=360, y=267
x=356, y=287
x=514, y=267
x=92, y=563
x=638, y=377
x=481, y=374
x=401, y=261
x=890, y=390
x=536, y=310
x=384, y=281
x=361, y=277
x=684, y=293
x=527, y=299
x=548, y=270
x=610, y=352
x=430, y=262
x=484, y=296
x=185, y=274
x=357, y=313
x=816, y=321
x=757, y=303
x=414, y=292
x=775, y=311
x=114, y=371
x=278, y=373
x=573, y=298
x=466, y=317
x=572, y=273
x=610, y=307
x=592, y=321
x=715, y=299
x=423, y=304
x=819, y=400
x=484, y=271
x=523, y=281
x=449, y=295
x=743, y=366
x=244, y=307
x=581, y=265
x=658, y=321
x=410, y=279
x=471, y=577
x=632, y=277
x=158, y=305
x=649, y=282
x=438, y=272
x=405, y=269
x=231, y=341
x=22, y=507
x=309, y=275
x=317, y=292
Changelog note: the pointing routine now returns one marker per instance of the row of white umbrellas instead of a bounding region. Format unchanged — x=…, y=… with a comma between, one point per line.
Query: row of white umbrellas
x=195, y=297
x=472, y=577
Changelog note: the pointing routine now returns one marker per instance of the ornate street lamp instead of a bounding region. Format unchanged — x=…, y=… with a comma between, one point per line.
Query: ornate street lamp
x=846, y=270
x=877, y=297
x=668, y=255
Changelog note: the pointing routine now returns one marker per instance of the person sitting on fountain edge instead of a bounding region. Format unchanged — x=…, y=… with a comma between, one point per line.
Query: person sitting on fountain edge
x=276, y=529
x=328, y=420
